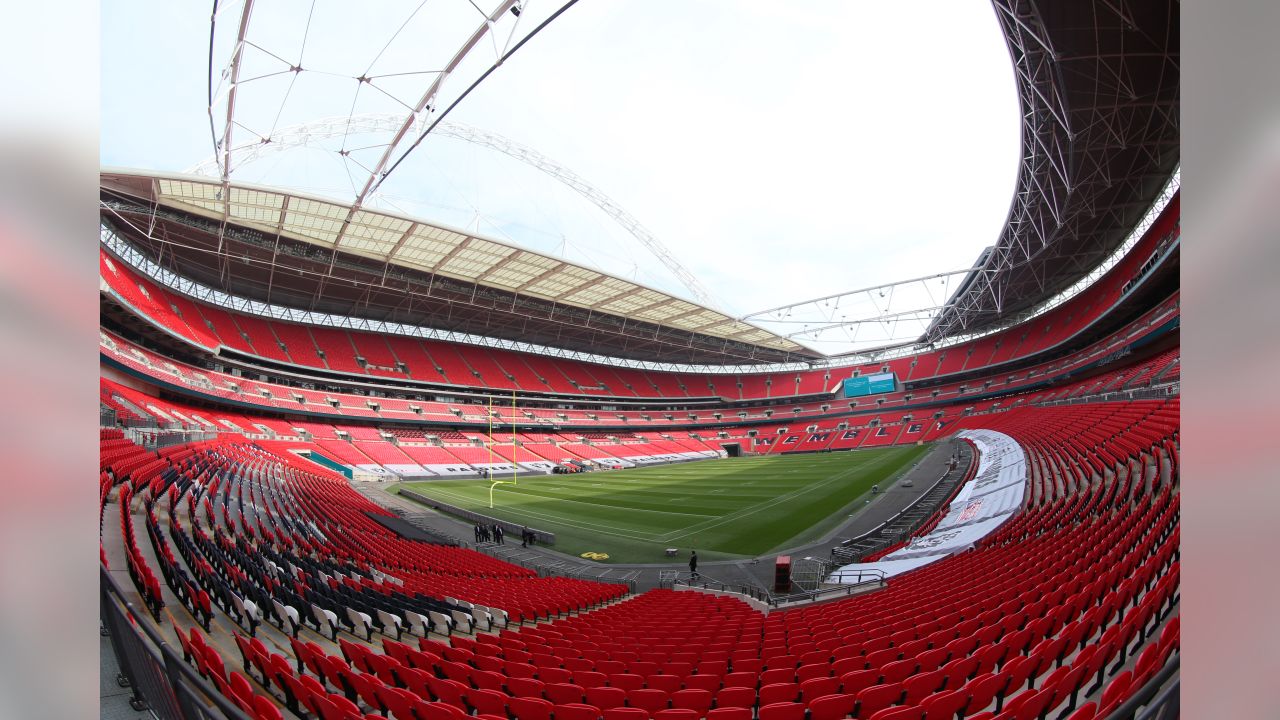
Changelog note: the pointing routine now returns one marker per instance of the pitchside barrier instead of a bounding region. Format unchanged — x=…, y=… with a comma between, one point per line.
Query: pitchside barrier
x=512, y=530
x=155, y=673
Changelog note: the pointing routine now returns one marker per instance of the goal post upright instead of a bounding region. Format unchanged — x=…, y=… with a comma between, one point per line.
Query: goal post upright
x=515, y=466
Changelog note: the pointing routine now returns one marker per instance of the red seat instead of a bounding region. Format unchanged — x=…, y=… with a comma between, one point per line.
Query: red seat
x=877, y=697
x=813, y=670
x=626, y=681
x=832, y=707
x=576, y=711
x=897, y=671
x=554, y=675
x=1087, y=711
x=1019, y=669
x=945, y=705
x=983, y=690
x=643, y=668
x=606, y=697
x=729, y=713
x=932, y=659
x=817, y=687
x=677, y=714
x=736, y=697
x=742, y=680
x=665, y=683
x=447, y=691
x=525, y=687
x=852, y=683
x=922, y=685
x=847, y=665
x=778, y=675
x=703, y=682
x=910, y=712
x=1116, y=692
x=647, y=699
x=624, y=713
x=369, y=687
x=401, y=703
x=528, y=708
x=782, y=711
x=779, y=693
x=1029, y=704
x=563, y=693
x=958, y=671
x=590, y=679
x=438, y=711
x=264, y=709
x=488, y=702
x=692, y=699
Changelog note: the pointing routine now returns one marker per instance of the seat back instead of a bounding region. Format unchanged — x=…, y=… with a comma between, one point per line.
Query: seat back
x=782, y=711
x=832, y=707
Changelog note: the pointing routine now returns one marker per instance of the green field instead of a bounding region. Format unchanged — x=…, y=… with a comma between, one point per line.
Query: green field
x=730, y=508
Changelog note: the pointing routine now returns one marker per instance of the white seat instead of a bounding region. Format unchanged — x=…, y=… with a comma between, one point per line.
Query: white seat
x=440, y=622
x=390, y=621
x=419, y=625
x=462, y=620
x=289, y=618
x=361, y=621
x=238, y=604
x=498, y=616
x=248, y=612
x=483, y=619
x=325, y=617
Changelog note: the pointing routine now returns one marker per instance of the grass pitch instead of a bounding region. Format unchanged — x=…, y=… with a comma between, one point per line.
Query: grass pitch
x=730, y=508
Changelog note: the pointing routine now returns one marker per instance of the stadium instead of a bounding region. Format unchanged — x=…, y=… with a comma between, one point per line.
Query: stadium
x=364, y=458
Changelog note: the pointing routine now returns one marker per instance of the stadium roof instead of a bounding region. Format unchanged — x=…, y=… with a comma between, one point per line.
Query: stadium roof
x=1098, y=84
x=317, y=254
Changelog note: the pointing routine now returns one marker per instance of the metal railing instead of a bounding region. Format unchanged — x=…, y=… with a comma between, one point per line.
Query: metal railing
x=763, y=595
x=156, y=439
x=1158, y=392
x=857, y=576
x=157, y=675
x=1157, y=700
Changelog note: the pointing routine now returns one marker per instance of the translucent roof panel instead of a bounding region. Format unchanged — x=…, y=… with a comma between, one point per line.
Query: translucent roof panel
x=420, y=245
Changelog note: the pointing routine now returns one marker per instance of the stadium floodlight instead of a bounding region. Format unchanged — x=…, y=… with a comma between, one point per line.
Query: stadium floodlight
x=870, y=318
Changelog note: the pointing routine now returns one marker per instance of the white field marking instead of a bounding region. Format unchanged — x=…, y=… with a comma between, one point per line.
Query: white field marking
x=753, y=509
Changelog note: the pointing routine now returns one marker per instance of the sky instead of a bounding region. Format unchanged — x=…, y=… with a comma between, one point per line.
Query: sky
x=779, y=151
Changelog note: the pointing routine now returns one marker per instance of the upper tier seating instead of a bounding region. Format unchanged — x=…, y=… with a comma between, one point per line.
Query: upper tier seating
x=504, y=370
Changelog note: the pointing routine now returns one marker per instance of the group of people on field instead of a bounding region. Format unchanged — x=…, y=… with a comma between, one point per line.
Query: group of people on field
x=489, y=533
x=495, y=534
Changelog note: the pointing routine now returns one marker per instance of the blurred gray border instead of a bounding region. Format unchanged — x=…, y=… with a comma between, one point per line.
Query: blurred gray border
x=1231, y=256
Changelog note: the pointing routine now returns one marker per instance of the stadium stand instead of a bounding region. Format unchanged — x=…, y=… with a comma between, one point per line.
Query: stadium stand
x=1015, y=628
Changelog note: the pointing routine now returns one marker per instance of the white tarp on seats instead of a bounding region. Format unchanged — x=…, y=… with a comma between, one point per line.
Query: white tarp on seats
x=980, y=507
